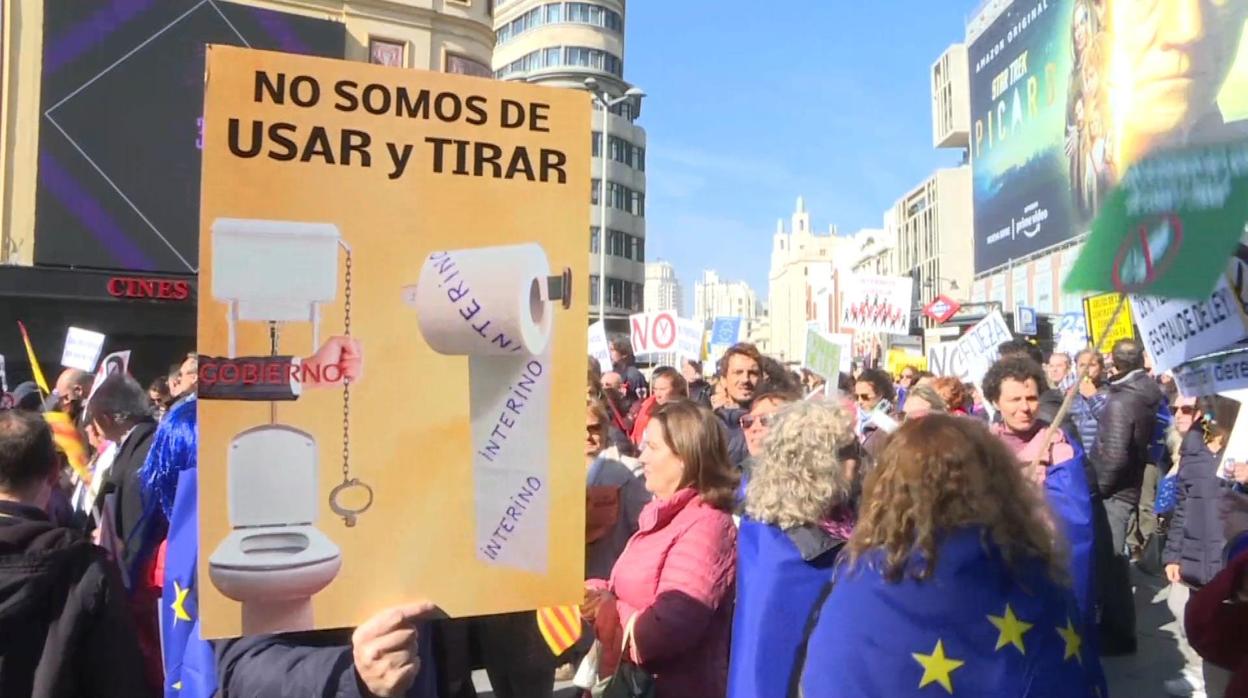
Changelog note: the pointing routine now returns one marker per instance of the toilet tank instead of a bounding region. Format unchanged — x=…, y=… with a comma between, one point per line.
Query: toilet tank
x=274, y=270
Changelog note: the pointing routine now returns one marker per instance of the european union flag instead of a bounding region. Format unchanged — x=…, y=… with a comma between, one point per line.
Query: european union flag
x=1070, y=499
x=190, y=668
x=975, y=627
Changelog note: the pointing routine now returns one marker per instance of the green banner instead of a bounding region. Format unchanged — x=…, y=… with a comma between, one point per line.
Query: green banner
x=1170, y=226
x=823, y=356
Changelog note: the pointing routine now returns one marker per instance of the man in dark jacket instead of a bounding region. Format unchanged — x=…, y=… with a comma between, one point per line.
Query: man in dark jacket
x=1126, y=432
x=1121, y=451
x=64, y=626
x=121, y=411
x=740, y=370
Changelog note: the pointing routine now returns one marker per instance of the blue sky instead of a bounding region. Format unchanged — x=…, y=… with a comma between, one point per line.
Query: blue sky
x=749, y=106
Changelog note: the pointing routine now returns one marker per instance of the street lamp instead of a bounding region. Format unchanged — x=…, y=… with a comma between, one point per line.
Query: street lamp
x=606, y=101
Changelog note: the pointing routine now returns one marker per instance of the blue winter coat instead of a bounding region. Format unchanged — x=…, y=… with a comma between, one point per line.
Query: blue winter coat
x=781, y=579
x=1197, y=535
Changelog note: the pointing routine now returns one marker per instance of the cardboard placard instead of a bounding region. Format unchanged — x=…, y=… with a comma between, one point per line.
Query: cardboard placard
x=448, y=214
x=1178, y=330
x=877, y=303
x=82, y=349
x=823, y=356
x=1098, y=311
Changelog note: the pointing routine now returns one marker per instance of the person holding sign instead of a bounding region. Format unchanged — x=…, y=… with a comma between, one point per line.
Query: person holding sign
x=1013, y=387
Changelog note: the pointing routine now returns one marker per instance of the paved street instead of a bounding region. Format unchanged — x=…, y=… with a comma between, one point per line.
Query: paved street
x=1143, y=674
x=1138, y=676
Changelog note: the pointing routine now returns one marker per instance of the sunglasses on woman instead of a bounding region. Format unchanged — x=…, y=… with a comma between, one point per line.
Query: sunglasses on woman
x=764, y=420
x=1185, y=409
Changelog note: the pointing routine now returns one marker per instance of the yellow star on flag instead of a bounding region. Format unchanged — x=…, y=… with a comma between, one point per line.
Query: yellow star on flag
x=177, y=686
x=1073, y=641
x=1011, y=628
x=937, y=667
x=179, y=603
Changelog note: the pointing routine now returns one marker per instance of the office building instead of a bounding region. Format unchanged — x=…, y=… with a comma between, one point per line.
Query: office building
x=934, y=246
x=561, y=44
x=662, y=291
x=713, y=297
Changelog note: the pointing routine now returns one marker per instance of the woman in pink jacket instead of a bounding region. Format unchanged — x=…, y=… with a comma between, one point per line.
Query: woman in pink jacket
x=677, y=574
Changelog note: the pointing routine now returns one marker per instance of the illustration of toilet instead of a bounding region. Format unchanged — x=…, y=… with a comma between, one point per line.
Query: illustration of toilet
x=274, y=560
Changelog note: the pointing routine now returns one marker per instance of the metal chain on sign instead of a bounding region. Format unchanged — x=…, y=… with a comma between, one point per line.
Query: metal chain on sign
x=348, y=515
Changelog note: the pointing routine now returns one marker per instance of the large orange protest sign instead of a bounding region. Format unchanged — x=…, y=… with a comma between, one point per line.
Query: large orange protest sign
x=391, y=319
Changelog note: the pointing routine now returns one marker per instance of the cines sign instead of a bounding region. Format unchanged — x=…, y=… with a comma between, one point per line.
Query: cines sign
x=133, y=287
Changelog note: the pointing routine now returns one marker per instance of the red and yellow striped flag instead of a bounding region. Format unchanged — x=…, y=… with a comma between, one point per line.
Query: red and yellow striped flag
x=34, y=362
x=560, y=627
x=67, y=438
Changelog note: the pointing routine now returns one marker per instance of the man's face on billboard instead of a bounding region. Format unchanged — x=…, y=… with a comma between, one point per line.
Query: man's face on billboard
x=1176, y=53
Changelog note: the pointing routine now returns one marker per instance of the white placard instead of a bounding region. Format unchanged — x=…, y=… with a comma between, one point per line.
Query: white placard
x=663, y=332
x=1178, y=330
x=1071, y=333
x=598, y=346
x=969, y=358
x=82, y=349
x=1213, y=375
x=877, y=303
x=4, y=379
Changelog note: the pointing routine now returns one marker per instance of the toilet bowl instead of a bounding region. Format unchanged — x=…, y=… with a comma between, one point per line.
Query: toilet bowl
x=274, y=560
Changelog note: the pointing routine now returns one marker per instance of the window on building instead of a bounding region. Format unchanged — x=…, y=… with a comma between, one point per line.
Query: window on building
x=463, y=65
x=595, y=233
x=550, y=57
x=554, y=13
x=639, y=293
x=593, y=289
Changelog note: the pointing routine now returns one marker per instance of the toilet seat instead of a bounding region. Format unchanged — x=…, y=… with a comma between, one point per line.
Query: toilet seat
x=272, y=478
x=273, y=548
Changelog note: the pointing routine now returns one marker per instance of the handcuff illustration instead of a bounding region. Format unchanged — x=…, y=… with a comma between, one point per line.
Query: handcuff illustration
x=348, y=483
x=347, y=513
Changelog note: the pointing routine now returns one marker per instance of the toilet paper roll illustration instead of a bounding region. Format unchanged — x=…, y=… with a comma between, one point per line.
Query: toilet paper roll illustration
x=496, y=306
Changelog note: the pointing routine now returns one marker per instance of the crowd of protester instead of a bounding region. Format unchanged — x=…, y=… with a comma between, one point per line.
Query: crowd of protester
x=750, y=531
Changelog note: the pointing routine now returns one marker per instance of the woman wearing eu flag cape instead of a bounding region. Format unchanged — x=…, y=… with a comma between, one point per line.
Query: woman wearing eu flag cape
x=951, y=582
x=797, y=518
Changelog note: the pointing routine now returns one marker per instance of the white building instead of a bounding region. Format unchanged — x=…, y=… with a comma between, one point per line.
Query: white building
x=561, y=44
x=714, y=297
x=804, y=277
x=934, y=244
x=662, y=287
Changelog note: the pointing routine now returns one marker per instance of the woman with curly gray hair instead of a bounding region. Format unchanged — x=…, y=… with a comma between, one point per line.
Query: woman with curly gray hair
x=797, y=517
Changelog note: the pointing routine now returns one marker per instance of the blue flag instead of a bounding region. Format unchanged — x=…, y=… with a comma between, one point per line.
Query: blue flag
x=1070, y=499
x=976, y=627
x=190, y=668
x=781, y=577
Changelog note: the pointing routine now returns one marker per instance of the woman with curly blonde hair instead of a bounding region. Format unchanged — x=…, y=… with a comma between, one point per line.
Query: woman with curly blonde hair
x=797, y=517
x=952, y=577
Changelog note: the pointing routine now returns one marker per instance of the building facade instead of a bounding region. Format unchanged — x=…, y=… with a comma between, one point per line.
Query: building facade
x=561, y=44
x=714, y=297
x=662, y=290
x=71, y=235
x=934, y=243
x=805, y=267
